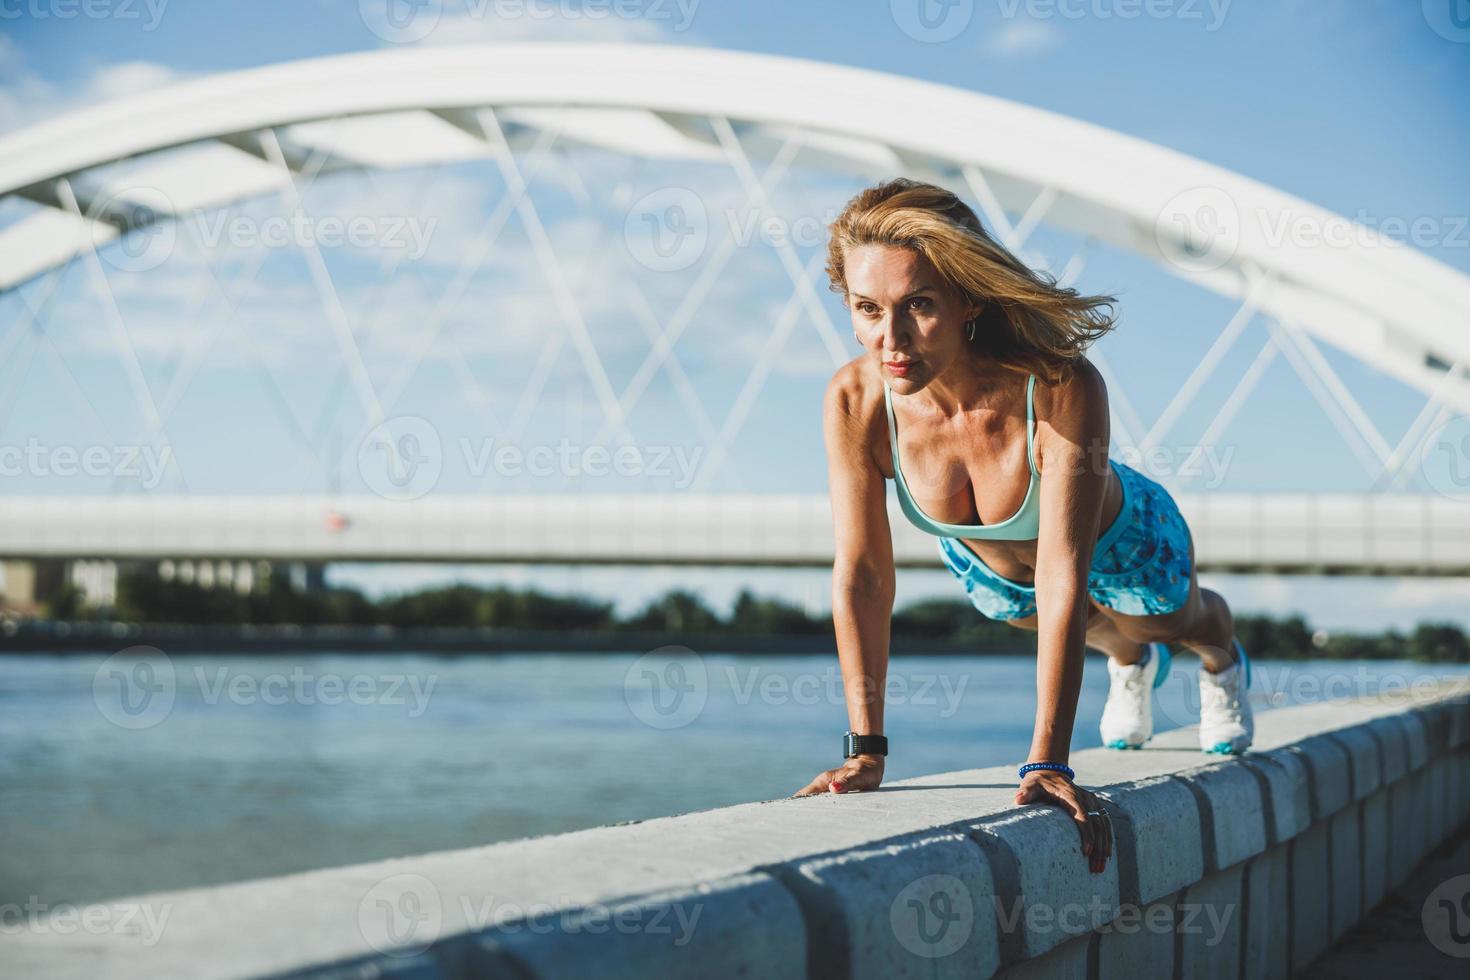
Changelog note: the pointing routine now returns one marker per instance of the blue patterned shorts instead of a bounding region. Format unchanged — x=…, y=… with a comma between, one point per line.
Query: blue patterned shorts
x=1140, y=564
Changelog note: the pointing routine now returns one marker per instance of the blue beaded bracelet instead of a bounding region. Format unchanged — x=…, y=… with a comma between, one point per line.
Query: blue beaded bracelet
x=1055, y=766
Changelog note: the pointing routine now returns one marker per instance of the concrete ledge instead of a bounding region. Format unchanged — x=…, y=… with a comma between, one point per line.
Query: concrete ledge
x=1223, y=867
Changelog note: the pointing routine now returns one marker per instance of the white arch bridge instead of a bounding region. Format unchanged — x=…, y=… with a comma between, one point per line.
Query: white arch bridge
x=269, y=131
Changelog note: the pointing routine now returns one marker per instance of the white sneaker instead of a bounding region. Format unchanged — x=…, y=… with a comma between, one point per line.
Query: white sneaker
x=1226, y=725
x=1128, y=718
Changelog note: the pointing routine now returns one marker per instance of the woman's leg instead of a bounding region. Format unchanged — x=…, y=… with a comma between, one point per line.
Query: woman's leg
x=1204, y=624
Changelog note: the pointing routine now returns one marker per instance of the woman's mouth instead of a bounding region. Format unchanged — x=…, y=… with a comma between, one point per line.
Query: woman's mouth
x=898, y=368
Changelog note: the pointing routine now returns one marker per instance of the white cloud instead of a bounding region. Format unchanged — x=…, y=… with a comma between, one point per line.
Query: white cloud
x=27, y=97
x=491, y=22
x=1021, y=39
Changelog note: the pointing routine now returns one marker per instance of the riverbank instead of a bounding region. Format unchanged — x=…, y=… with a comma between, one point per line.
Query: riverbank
x=42, y=636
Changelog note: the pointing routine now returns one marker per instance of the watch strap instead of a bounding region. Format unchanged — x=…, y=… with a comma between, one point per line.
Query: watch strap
x=855, y=744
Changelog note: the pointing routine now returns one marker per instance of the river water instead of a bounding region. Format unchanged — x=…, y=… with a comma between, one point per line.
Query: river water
x=141, y=772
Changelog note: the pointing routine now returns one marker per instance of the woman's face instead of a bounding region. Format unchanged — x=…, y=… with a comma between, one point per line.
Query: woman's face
x=903, y=312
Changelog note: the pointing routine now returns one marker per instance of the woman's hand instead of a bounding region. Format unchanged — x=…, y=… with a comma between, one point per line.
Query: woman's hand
x=1049, y=786
x=858, y=773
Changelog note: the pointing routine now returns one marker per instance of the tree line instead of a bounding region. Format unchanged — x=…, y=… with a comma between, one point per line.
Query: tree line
x=144, y=597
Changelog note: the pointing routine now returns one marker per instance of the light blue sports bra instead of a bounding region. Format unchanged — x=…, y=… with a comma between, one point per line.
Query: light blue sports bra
x=1023, y=525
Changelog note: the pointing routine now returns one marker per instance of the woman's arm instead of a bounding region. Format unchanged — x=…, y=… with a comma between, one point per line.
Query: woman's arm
x=862, y=575
x=1072, y=456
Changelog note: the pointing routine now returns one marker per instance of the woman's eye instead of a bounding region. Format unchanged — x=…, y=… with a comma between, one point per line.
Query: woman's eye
x=918, y=302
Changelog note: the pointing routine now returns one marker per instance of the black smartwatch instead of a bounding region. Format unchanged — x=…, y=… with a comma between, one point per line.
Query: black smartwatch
x=855, y=744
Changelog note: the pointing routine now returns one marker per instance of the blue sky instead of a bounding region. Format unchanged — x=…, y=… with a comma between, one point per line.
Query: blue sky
x=1359, y=108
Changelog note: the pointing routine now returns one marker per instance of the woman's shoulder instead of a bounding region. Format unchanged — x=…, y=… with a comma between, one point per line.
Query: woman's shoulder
x=855, y=388
x=853, y=406
x=1075, y=408
x=1078, y=388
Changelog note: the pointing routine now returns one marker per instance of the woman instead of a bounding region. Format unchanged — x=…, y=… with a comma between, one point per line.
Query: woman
x=974, y=373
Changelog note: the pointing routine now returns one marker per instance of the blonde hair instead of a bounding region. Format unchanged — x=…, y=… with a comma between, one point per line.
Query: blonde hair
x=1029, y=324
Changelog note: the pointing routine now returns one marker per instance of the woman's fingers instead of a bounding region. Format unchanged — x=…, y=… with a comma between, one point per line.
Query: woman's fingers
x=1094, y=829
x=845, y=779
x=851, y=780
x=818, y=785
